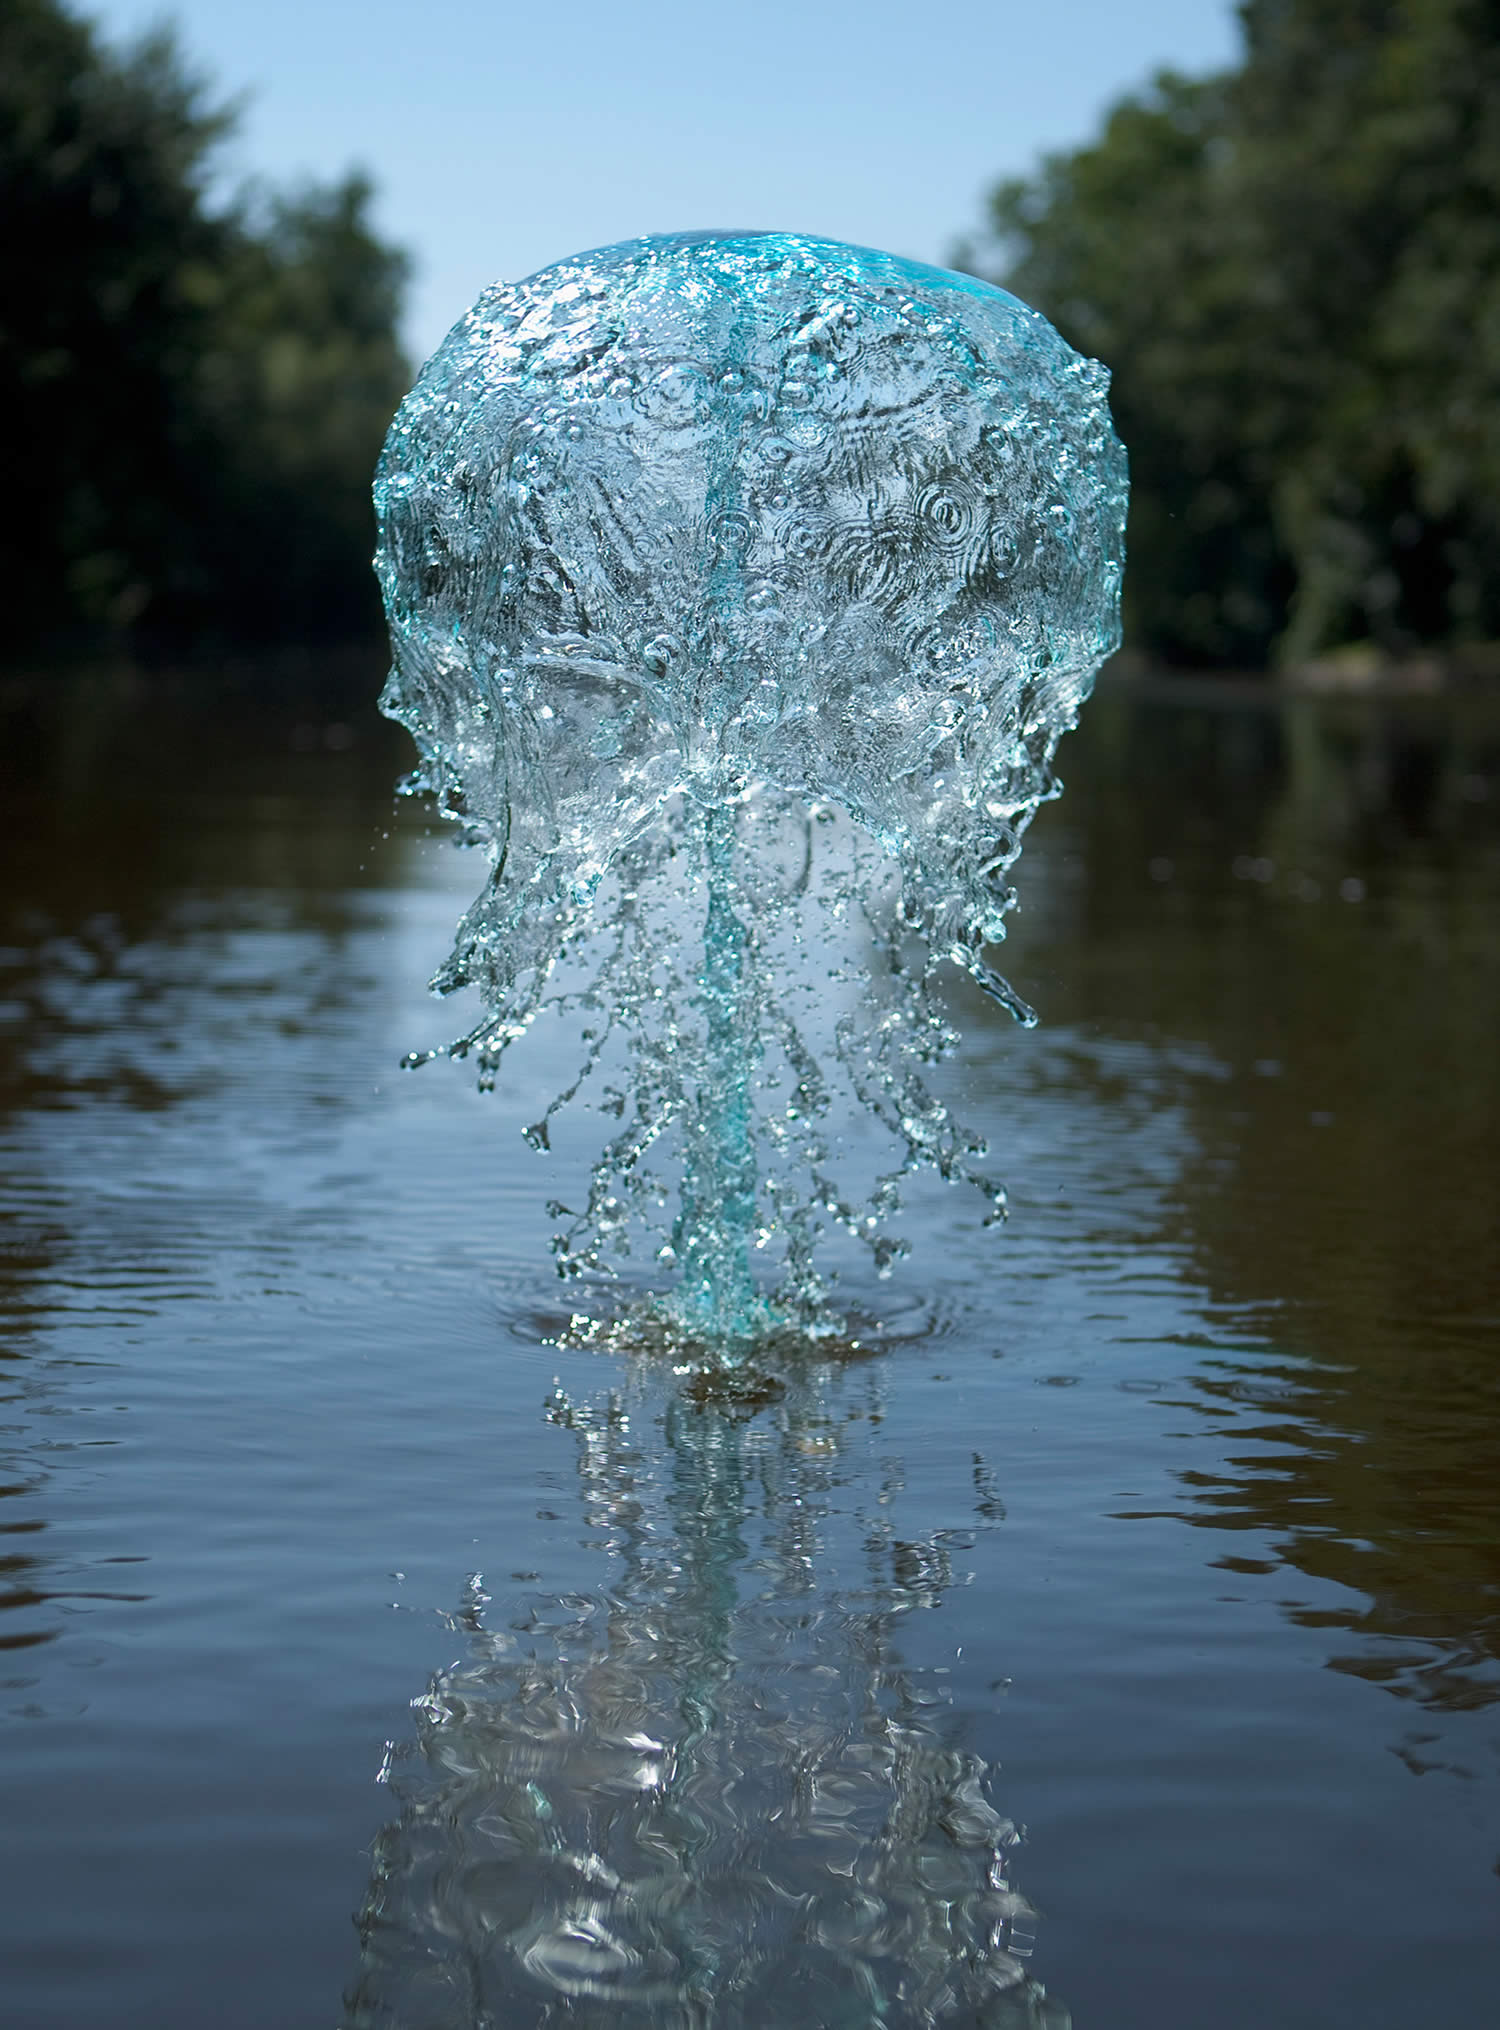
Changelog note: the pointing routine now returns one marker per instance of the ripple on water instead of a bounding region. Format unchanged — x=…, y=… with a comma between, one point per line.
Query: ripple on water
x=708, y=1795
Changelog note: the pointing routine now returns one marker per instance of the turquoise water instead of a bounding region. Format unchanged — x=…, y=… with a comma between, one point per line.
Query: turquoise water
x=686, y=544
x=1164, y=1521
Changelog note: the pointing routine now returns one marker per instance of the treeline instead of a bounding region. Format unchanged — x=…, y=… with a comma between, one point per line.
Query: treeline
x=1293, y=270
x=193, y=394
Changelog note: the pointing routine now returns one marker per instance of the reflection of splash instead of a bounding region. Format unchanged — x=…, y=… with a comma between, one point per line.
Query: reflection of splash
x=715, y=1792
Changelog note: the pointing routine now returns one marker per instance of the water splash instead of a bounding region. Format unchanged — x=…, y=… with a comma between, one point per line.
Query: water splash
x=712, y=1795
x=681, y=542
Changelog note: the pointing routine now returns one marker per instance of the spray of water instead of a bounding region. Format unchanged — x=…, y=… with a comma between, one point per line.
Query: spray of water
x=740, y=588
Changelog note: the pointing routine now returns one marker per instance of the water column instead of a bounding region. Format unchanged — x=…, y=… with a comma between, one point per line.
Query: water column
x=717, y=1296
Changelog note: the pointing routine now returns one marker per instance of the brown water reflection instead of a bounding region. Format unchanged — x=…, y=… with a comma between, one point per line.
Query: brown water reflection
x=267, y=1367
x=1312, y=893
x=1304, y=894
x=143, y=831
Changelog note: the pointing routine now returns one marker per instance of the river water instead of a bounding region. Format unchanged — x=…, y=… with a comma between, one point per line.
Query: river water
x=1163, y=1523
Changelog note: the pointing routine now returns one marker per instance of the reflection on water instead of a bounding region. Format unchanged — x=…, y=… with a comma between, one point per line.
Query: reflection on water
x=1320, y=908
x=265, y=1336
x=713, y=1789
x=153, y=947
x=1406, y=1521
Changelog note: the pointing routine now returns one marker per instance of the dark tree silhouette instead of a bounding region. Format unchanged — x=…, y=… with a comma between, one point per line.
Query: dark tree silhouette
x=1294, y=271
x=194, y=395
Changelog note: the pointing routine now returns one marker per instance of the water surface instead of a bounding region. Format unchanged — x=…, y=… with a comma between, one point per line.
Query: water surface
x=1166, y=1520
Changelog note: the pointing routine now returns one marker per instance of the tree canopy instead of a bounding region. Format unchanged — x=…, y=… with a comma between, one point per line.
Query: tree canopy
x=194, y=393
x=1293, y=269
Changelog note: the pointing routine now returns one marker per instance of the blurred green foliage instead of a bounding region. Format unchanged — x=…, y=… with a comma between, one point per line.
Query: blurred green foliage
x=194, y=393
x=1293, y=270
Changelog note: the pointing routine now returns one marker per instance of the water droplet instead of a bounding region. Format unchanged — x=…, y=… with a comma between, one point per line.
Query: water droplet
x=660, y=652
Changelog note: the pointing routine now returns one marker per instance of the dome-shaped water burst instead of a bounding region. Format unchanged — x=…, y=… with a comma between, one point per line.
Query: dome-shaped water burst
x=684, y=539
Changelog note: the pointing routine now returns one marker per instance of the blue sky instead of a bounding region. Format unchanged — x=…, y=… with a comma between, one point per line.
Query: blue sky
x=503, y=137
